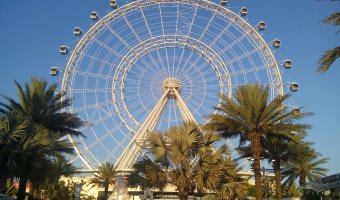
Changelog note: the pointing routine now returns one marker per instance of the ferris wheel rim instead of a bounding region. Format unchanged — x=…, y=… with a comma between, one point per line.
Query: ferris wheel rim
x=104, y=22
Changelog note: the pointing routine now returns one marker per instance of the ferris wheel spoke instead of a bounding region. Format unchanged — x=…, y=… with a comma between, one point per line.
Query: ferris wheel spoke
x=176, y=33
x=194, y=66
x=103, y=137
x=235, y=42
x=248, y=70
x=242, y=56
x=201, y=37
x=91, y=74
x=135, y=33
x=151, y=36
x=185, y=69
x=92, y=90
x=99, y=142
x=219, y=36
x=89, y=153
x=166, y=49
x=147, y=71
x=189, y=31
x=109, y=49
x=148, y=100
x=91, y=106
x=89, y=156
x=130, y=48
x=246, y=54
x=93, y=58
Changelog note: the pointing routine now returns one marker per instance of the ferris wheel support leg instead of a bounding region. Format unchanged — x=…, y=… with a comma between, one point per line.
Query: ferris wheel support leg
x=130, y=153
x=185, y=112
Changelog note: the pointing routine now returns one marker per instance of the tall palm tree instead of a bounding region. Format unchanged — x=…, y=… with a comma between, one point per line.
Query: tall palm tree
x=42, y=107
x=185, y=158
x=251, y=117
x=330, y=56
x=305, y=167
x=277, y=151
x=105, y=177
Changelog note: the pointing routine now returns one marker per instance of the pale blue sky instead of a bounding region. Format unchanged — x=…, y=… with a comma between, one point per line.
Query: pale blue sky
x=32, y=31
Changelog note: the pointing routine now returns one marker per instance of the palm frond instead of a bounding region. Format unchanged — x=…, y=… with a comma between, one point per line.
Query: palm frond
x=333, y=18
x=328, y=58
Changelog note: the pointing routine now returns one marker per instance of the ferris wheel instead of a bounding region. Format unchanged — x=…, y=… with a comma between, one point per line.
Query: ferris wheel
x=153, y=64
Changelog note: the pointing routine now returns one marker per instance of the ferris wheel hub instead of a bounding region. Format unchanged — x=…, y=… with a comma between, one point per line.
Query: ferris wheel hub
x=173, y=85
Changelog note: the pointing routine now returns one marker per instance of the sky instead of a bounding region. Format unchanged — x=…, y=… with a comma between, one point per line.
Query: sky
x=32, y=31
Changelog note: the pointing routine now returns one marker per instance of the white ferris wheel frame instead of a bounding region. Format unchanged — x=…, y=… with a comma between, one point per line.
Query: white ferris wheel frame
x=177, y=40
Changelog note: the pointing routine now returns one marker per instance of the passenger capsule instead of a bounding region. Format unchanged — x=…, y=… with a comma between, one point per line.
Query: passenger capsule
x=287, y=64
x=94, y=16
x=63, y=50
x=276, y=43
x=113, y=4
x=243, y=11
x=296, y=111
x=224, y=2
x=54, y=71
x=77, y=31
x=261, y=26
x=294, y=87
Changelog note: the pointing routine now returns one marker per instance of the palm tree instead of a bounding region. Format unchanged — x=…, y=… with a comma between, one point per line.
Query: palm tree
x=11, y=130
x=29, y=155
x=305, y=166
x=60, y=167
x=251, y=117
x=330, y=56
x=291, y=191
x=185, y=158
x=233, y=186
x=22, y=152
x=277, y=151
x=105, y=176
x=49, y=175
x=42, y=107
x=138, y=177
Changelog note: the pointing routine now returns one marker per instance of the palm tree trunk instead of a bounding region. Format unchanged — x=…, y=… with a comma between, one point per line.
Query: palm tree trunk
x=277, y=172
x=256, y=150
x=22, y=188
x=106, y=191
x=302, y=182
x=183, y=193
